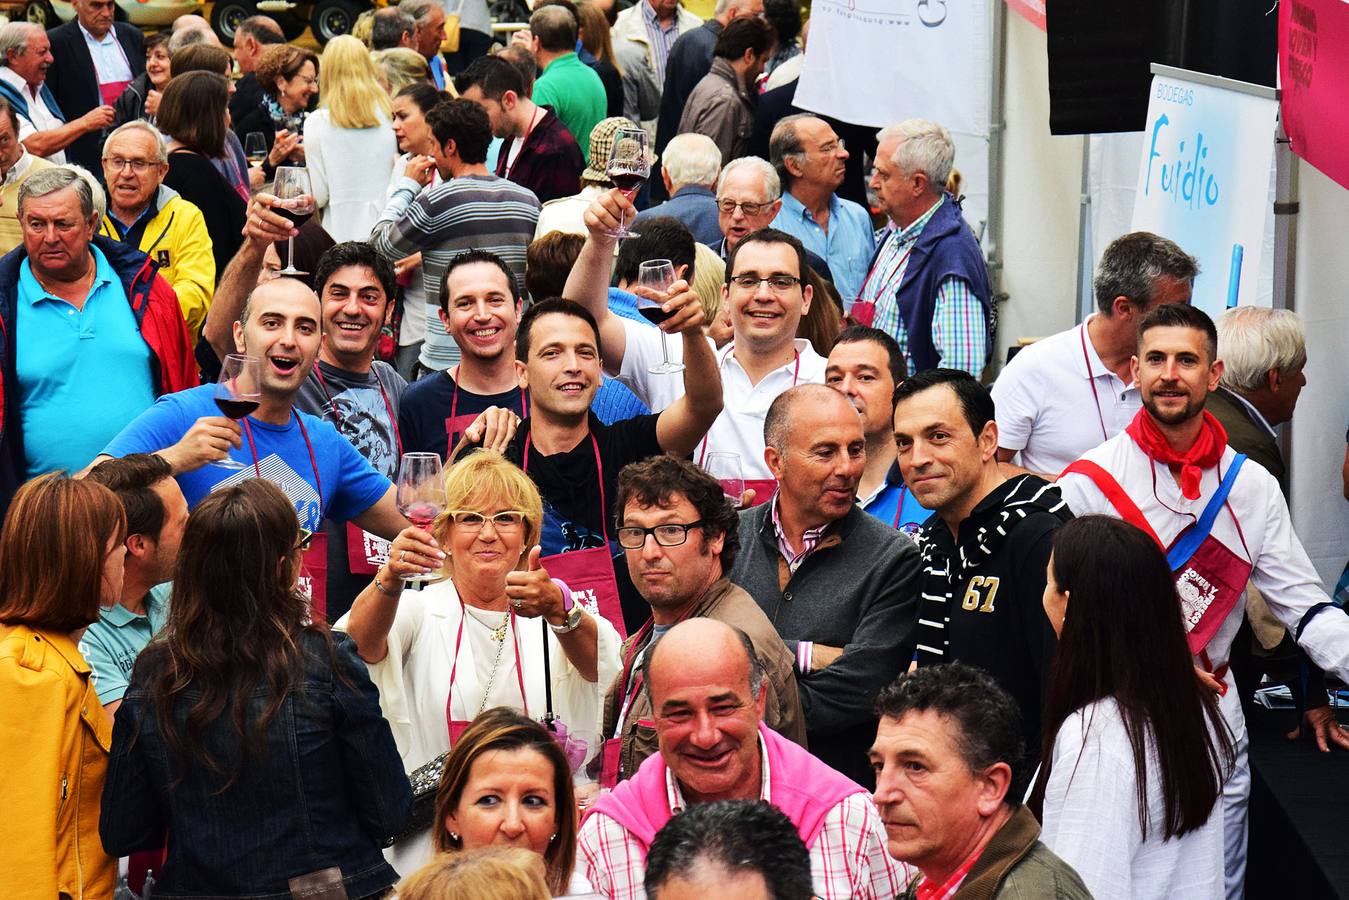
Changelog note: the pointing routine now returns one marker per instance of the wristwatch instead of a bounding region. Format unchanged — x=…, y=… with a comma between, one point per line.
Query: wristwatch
x=571, y=611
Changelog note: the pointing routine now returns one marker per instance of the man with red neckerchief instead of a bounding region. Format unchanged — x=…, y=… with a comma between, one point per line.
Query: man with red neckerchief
x=1222, y=523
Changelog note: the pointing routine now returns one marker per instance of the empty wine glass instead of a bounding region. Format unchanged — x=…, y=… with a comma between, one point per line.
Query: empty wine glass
x=628, y=168
x=725, y=467
x=238, y=393
x=656, y=275
x=421, y=494
x=295, y=201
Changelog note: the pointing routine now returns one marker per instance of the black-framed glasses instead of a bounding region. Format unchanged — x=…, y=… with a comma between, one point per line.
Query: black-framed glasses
x=671, y=534
x=778, y=284
x=506, y=520
x=306, y=538
x=727, y=205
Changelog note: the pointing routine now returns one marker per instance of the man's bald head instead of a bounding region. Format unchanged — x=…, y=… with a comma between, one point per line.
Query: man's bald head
x=804, y=404
x=278, y=288
x=701, y=646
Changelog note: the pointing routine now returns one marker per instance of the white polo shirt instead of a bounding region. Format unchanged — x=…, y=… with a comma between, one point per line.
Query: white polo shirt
x=1255, y=526
x=739, y=428
x=39, y=117
x=1056, y=400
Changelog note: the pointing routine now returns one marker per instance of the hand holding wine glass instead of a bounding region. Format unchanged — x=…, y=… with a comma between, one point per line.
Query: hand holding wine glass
x=725, y=467
x=238, y=392
x=655, y=276
x=629, y=167
x=421, y=493
x=295, y=201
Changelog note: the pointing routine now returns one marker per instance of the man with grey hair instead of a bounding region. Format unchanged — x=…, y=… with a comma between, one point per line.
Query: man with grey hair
x=392, y=27
x=94, y=334
x=144, y=213
x=839, y=585
x=810, y=159
x=429, y=18
x=251, y=38
x=16, y=164
x=927, y=285
x=691, y=165
x=749, y=195
x=43, y=129
x=1065, y=394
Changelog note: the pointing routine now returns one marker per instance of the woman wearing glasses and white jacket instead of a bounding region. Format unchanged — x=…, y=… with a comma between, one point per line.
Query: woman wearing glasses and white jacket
x=495, y=630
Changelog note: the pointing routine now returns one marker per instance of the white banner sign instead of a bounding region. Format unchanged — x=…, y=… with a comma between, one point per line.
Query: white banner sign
x=1204, y=182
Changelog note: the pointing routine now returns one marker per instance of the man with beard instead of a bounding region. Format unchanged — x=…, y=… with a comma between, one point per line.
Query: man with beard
x=357, y=393
x=572, y=456
x=321, y=473
x=1172, y=474
x=985, y=550
x=840, y=586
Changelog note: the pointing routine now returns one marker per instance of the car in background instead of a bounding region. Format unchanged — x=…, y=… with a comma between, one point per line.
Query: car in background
x=160, y=13
x=327, y=18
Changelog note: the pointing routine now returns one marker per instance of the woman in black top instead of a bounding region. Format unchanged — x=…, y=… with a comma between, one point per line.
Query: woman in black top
x=193, y=111
x=140, y=100
x=288, y=76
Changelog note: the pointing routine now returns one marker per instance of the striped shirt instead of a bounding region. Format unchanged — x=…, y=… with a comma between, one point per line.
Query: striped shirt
x=959, y=332
x=661, y=38
x=469, y=212
x=848, y=860
x=947, y=889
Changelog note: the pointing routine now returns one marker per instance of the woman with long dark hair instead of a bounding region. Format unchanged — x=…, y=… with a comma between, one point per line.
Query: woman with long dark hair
x=248, y=734
x=1135, y=751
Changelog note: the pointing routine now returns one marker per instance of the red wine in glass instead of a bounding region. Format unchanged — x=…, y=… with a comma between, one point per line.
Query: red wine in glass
x=298, y=209
x=654, y=314
x=236, y=409
x=628, y=182
x=422, y=514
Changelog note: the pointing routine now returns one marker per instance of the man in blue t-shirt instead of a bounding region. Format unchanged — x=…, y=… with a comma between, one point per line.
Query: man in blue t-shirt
x=156, y=513
x=866, y=365
x=322, y=474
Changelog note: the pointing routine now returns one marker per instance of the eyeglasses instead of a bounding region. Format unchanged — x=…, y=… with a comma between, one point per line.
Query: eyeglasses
x=630, y=537
x=506, y=520
x=778, y=284
x=139, y=166
x=728, y=205
x=833, y=147
x=306, y=538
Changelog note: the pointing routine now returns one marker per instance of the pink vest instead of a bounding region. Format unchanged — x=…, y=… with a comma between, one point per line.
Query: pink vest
x=804, y=788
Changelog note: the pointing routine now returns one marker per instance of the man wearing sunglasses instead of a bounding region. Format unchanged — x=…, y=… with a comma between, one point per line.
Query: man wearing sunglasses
x=679, y=537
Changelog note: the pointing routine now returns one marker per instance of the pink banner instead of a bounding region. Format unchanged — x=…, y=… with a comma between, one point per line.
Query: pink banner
x=1314, y=77
x=1033, y=11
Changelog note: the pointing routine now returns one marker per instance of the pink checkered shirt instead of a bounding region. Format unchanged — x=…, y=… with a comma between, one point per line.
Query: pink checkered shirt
x=947, y=889
x=848, y=859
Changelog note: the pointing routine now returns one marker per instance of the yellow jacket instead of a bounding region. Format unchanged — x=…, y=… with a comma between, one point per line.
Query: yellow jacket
x=175, y=236
x=55, y=738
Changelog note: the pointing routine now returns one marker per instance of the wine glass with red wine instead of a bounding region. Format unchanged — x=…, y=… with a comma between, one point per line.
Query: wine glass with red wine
x=295, y=201
x=629, y=167
x=238, y=393
x=421, y=494
x=656, y=275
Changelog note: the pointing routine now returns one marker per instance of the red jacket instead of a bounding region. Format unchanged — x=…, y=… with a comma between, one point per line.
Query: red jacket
x=158, y=317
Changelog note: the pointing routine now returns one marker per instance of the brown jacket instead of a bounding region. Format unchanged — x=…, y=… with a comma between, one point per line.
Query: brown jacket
x=727, y=603
x=1016, y=866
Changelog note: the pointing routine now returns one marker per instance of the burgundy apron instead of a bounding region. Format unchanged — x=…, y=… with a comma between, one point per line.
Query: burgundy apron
x=314, y=564
x=456, y=424
x=366, y=552
x=589, y=573
x=109, y=91
x=457, y=726
x=863, y=312
x=763, y=487
x=1210, y=579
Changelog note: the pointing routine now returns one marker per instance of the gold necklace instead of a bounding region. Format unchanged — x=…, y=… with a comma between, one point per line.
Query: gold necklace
x=89, y=276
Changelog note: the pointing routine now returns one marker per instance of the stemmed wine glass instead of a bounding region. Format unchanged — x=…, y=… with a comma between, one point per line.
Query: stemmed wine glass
x=421, y=494
x=656, y=275
x=255, y=148
x=295, y=201
x=725, y=467
x=628, y=168
x=238, y=392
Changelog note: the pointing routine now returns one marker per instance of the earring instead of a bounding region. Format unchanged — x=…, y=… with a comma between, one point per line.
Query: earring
x=552, y=837
x=454, y=836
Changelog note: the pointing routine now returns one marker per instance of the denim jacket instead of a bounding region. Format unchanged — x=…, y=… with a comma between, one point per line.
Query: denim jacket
x=329, y=789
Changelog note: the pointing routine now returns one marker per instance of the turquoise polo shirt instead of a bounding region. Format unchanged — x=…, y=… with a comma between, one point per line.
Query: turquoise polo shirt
x=83, y=373
x=576, y=95
x=111, y=644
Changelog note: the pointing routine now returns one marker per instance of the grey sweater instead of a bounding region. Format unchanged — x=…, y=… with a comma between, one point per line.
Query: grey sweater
x=858, y=590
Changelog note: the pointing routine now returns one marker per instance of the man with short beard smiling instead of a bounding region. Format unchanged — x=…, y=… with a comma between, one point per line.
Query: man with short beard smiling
x=355, y=392
x=1162, y=474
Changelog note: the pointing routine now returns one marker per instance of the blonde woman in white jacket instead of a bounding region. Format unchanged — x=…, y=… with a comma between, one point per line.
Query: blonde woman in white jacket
x=349, y=141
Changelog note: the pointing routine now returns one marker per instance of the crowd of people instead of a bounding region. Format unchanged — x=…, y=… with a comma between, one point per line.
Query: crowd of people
x=746, y=577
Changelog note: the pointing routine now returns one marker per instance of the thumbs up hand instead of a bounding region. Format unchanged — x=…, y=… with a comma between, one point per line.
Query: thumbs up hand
x=532, y=593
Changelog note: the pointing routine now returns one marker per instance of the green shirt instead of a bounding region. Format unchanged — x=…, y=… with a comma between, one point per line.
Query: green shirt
x=576, y=95
x=111, y=644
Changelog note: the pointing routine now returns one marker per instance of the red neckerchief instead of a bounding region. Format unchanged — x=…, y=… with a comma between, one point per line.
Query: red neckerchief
x=1203, y=454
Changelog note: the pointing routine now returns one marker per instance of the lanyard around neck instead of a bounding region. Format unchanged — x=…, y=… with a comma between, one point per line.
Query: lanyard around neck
x=341, y=423
x=1091, y=380
x=257, y=470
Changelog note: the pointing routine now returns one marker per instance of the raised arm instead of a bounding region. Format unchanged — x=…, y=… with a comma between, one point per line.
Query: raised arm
x=685, y=421
x=588, y=283
x=261, y=227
